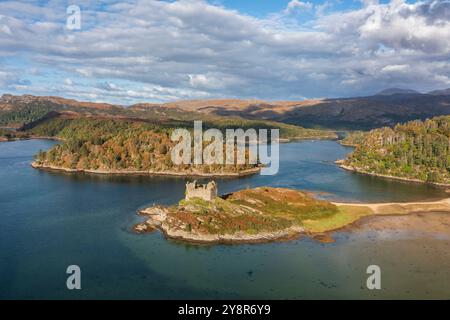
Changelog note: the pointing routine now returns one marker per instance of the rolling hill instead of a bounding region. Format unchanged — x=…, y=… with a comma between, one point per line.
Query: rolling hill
x=387, y=108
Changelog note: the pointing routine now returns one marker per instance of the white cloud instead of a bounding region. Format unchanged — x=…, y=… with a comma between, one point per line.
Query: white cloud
x=395, y=68
x=294, y=5
x=192, y=49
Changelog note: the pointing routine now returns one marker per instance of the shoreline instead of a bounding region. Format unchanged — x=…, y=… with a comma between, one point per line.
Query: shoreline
x=280, y=140
x=340, y=164
x=435, y=224
x=155, y=220
x=296, y=139
x=2, y=139
x=242, y=173
x=156, y=223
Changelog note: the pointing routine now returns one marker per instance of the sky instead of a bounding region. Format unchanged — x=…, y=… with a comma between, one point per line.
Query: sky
x=128, y=51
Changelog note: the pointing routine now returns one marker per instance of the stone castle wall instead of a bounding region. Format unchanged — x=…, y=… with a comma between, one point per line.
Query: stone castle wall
x=203, y=191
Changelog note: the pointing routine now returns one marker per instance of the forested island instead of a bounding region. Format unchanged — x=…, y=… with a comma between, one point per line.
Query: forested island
x=416, y=151
x=117, y=146
x=105, y=138
x=110, y=139
x=136, y=146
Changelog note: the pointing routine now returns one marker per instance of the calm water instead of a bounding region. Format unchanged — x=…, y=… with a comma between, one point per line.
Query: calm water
x=51, y=220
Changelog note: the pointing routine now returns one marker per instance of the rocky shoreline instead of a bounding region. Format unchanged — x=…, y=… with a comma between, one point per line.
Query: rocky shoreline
x=3, y=139
x=157, y=220
x=340, y=163
x=242, y=173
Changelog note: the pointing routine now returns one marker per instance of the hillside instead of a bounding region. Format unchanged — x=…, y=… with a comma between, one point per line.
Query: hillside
x=358, y=113
x=391, y=91
x=387, y=108
x=417, y=150
x=25, y=112
x=15, y=111
x=52, y=123
x=354, y=138
x=351, y=114
x=117, y=146
x=440, y=92
x=129, y=146
x=11, y=135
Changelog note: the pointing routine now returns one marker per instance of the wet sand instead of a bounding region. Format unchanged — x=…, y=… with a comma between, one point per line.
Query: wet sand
x=425, y=224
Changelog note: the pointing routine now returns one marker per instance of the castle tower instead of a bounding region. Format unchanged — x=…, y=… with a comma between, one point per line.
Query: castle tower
x=206, y=192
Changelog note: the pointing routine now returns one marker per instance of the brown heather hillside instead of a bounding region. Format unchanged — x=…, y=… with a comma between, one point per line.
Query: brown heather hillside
x=390, y=107
x=8, y=101
x=364, y=113
x=256, y=108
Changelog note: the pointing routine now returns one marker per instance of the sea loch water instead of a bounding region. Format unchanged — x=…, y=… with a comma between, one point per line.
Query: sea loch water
x=49, y=221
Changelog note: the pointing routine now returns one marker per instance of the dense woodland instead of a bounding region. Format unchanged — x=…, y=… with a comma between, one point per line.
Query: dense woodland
x=25, y=114
x=114, y=138
x=354, y=138
x=115, y=145
x=106, y=145
x=416, y=149
x=107, y=137
x=26, y=111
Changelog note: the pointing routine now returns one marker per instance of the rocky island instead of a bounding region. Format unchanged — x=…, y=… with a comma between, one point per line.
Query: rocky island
x=263, y=214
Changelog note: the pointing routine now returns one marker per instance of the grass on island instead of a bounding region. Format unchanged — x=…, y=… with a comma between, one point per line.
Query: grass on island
x=251, y=211
x=271, y=209
x=267, y=209
x=348, y=214
x=345, y=215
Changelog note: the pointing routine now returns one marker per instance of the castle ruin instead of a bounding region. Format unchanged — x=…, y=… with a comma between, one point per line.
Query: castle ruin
x=206, y=192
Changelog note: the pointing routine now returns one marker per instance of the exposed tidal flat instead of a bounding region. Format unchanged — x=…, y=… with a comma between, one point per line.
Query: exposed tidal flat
x=51, y=220
x=267, y=214
x=172, y=173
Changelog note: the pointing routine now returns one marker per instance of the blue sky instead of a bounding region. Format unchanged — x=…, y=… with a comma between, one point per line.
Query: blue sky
x=263, y=8
x=129, y=51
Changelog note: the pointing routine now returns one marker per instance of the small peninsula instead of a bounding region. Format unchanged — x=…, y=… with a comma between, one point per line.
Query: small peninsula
x=262, y=214
x=416, y=151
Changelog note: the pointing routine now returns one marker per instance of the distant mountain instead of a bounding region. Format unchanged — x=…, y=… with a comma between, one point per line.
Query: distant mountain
x=391, y=91
x=340, y=114
x=444, y=92
x=9, y=100
x=16, y=111
x=360, y=113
